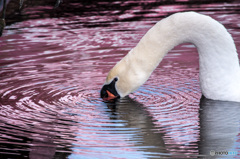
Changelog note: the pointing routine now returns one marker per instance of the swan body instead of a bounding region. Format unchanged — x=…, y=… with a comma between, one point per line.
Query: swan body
x=218, y=58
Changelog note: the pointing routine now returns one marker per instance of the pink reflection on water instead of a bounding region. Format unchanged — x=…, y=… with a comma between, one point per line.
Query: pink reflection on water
x=53, y=69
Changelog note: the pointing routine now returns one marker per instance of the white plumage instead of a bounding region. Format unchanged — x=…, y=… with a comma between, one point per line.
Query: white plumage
x=219, y=64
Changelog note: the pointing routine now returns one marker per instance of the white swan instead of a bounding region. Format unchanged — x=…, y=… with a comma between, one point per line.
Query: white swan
x=219, y=64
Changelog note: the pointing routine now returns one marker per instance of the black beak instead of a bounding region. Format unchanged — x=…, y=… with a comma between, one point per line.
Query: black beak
x=109, y=92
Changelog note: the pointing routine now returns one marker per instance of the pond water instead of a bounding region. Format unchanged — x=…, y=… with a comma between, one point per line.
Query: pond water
x=53, y=64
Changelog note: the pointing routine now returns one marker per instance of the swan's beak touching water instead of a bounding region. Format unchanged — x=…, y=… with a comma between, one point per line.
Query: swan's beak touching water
x=109, y=92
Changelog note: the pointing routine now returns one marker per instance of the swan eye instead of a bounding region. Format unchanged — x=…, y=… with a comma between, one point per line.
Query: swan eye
x=115, y=79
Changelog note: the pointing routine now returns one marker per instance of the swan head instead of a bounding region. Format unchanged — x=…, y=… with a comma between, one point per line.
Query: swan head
x=116, y=87
x=123, y=79
x=116, y=84
x=108, y=91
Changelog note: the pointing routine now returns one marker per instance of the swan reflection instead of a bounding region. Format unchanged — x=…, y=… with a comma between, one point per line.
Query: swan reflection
x=136, y=116
x=219, y=127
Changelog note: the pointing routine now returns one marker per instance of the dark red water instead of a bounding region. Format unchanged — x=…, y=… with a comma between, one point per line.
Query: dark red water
x=52, y=67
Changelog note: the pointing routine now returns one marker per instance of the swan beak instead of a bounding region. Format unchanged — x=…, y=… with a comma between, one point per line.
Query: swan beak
x=109, y=92
x=107, y=95
x=110, y=95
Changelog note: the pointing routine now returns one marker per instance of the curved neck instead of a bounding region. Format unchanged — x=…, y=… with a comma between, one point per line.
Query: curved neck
x=219, y=64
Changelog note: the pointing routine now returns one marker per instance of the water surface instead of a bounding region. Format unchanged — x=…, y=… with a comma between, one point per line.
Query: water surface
x=53, y=64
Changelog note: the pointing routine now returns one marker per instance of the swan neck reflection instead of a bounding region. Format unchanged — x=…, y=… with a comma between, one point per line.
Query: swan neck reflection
x=218, y=126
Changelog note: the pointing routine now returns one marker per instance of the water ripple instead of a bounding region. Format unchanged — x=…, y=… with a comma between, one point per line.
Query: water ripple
x=52, y=68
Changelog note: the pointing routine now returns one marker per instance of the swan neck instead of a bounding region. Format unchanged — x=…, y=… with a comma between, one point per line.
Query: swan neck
x=218, y=58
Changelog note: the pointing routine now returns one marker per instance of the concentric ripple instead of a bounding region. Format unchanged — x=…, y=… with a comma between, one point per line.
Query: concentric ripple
x=53, y=66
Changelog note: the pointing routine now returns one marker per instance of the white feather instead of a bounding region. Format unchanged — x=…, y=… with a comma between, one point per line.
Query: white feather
x=219, y=64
